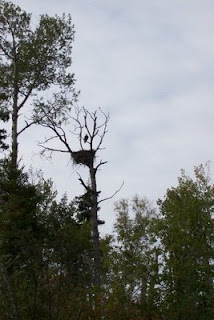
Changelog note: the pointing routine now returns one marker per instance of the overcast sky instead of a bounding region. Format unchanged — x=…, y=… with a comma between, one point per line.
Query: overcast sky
x=150, y=63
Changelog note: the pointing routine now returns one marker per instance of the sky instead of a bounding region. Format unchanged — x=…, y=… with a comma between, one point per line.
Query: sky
x=150, y=64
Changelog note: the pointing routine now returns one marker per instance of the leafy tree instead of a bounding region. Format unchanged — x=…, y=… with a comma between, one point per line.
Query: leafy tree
x=132, y=270
x=32, y=61
x=20, y=233
x=187, y=237
x=67, y=260
x=45, y=254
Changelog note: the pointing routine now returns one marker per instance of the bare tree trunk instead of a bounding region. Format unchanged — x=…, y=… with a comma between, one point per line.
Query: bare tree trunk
x=14, y=153
x=10, y=292
x=144, y=280
x=95, y=231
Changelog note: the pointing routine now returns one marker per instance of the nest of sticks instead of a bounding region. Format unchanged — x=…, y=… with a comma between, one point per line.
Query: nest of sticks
x=84, y=157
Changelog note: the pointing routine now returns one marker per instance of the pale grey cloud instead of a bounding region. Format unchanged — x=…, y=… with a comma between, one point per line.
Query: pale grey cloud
x=150, y=63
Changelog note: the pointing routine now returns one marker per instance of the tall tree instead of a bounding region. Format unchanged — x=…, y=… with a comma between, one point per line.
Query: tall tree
x=45, y=253
x=132, y=264
x=187, y=236
x=90, y=129
x=32, y=60
x=19, y=232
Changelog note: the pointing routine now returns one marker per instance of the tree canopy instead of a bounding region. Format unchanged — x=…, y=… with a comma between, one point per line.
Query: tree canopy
x=33, y=60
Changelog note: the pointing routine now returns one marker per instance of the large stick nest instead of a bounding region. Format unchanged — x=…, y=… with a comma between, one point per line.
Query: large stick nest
x=84, y=157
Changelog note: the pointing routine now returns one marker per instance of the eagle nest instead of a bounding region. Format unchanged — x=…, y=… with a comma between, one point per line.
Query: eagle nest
x=84, y=157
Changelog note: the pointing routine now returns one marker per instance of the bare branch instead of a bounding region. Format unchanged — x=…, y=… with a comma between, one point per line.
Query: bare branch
x=5, y=52
x=86, y=124
x=26, y=96
x=79, y=126
x=61, y=135
x=100, y=164
x=26, y=127
x=47, y=140
x=104, y=126
x=52, y=149
x=108, y=198
x=83, y=183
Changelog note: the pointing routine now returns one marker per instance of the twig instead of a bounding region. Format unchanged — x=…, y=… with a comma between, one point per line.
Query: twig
x=26, y=127
x=100, y=164
x=108, y=198
x=52, y=149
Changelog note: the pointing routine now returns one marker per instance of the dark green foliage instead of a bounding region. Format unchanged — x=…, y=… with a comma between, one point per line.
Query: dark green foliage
x=132, y=267
x=4, y=116
x=160, y=267
x=20, y=235
x=41, y=55
x=44, y=252
x=83, y=206
x=187, y=236
x=19, y=223
x=34, y=59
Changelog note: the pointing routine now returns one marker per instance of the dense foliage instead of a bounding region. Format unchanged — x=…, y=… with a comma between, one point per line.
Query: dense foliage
x=187, y=235
x=154, y=265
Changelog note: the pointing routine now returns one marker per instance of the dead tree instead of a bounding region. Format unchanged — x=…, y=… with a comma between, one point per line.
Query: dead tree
x=88, y=125
x=90, y=129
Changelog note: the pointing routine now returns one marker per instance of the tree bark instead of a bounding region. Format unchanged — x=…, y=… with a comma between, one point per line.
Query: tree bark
x=9, y=292
x=95, y=231
x=14, y=152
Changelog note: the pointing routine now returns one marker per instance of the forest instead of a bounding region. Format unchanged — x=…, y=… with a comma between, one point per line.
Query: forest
x=158, y=262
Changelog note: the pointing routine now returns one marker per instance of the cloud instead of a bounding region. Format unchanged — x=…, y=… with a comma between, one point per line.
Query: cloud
x=150, y=64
